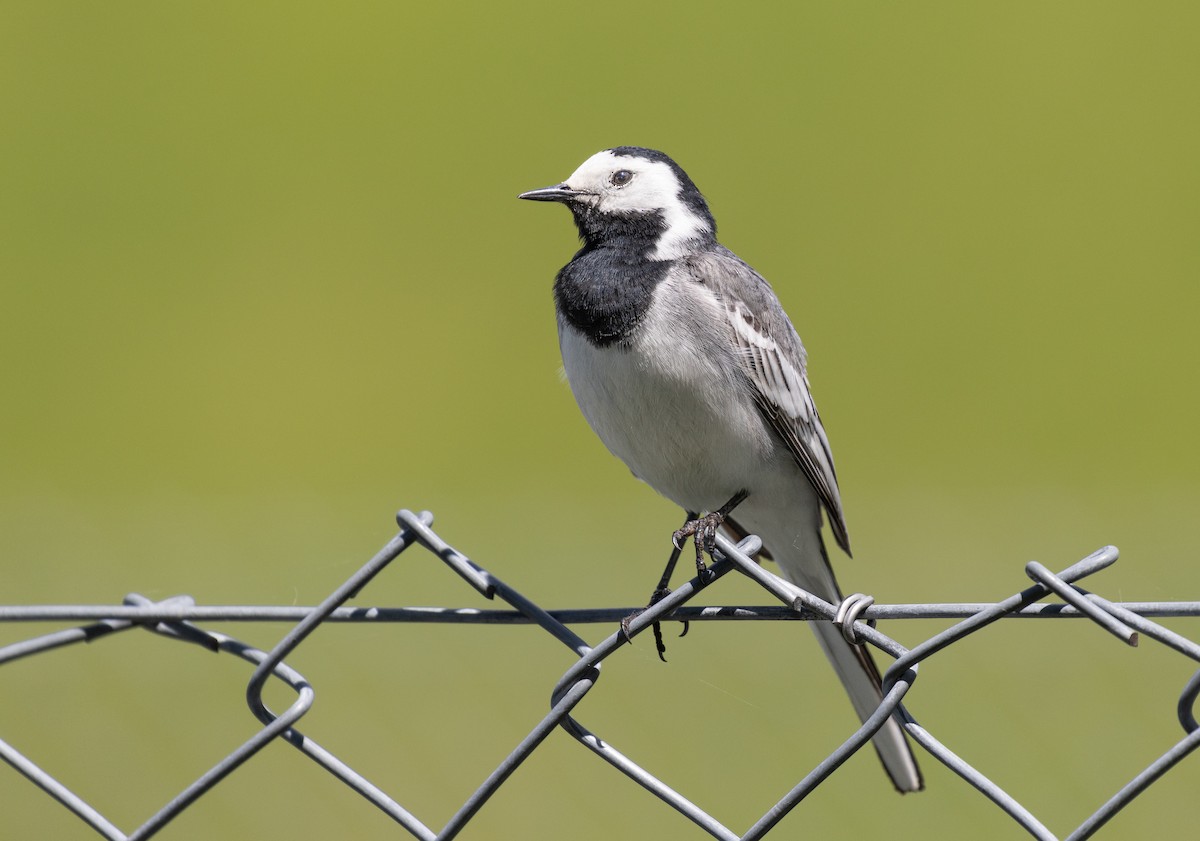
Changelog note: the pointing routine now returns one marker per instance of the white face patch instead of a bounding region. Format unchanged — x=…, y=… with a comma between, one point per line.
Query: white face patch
x=652, y=187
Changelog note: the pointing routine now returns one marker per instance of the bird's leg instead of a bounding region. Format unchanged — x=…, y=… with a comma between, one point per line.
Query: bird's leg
x=664, y=588
x=703, y=531
x=661, y=592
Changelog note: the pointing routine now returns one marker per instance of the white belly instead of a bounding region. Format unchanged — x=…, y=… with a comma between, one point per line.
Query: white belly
x=681, y=420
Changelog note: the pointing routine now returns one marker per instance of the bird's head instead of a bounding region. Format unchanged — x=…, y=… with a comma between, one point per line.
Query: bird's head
x=635, y=197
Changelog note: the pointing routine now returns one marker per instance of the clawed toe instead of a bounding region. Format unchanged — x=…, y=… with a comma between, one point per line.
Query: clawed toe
x=703, y=531
x=688, y=529
x=626, y=623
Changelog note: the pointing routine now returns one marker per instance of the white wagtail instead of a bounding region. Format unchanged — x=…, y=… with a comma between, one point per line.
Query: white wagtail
x=685, y=364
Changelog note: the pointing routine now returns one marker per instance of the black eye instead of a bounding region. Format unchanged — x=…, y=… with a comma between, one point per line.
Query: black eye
x=620, y=178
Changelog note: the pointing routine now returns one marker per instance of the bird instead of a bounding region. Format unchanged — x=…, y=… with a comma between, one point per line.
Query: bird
x=684, y=363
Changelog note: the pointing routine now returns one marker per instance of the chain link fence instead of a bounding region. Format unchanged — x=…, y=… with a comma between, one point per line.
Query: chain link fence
x=1052, y=595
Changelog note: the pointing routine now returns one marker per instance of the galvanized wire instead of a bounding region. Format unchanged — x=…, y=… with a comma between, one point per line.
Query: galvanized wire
x=175, y=619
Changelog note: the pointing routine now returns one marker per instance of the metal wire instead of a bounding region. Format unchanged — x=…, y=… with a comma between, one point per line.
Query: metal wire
x=175, y=619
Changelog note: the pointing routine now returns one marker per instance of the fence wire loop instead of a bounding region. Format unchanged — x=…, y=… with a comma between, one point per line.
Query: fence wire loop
x=175, y=620
x=848, y=612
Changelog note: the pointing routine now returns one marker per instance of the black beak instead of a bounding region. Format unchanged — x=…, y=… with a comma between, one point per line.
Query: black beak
x=560, y=192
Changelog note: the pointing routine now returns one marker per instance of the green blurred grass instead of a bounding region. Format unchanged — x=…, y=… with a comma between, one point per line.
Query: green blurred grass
x=264, y=280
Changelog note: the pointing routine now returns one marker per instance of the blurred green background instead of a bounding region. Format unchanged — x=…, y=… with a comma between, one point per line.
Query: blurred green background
x=264, y=280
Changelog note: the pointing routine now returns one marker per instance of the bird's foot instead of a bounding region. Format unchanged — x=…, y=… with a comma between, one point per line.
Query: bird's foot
x=659, y=645
x=703, y=531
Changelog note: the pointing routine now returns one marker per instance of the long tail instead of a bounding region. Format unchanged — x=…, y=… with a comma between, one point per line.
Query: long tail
x=853, y=663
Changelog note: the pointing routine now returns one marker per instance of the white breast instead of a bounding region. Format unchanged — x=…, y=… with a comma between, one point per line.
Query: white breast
x=672, y=404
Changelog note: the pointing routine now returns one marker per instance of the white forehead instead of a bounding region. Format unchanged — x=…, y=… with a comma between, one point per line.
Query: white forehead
x=654, y=186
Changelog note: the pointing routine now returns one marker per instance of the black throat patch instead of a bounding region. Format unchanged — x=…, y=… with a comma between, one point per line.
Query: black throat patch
x=606, y=291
